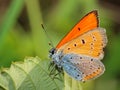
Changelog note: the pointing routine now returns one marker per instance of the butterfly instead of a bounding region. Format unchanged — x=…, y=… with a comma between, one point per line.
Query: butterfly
x=80, y=52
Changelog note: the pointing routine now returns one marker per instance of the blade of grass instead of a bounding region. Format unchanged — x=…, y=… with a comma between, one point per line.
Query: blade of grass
x=10, y=18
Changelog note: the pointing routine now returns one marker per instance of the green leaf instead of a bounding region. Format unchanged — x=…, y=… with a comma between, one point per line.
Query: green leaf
x=32, y=74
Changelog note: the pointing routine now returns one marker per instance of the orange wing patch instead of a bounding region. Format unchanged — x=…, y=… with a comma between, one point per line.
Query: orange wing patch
x=91, y=44
x=87, y=23
x=93, y=74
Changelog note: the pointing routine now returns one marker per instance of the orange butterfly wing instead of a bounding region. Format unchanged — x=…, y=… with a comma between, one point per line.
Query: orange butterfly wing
x=87, y=23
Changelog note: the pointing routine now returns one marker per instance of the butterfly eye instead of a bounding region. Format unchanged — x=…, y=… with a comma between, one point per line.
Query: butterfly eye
x=52, y=51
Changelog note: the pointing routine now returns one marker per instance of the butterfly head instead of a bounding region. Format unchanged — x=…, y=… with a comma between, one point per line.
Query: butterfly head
x=52, y=52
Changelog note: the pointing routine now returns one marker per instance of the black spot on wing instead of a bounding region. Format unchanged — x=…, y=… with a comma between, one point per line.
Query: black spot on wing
x=75, y=45
x=91, y=59
x=91, y=43
x=78, y=75
x=79, y=28
x=68, y=48
x=80, y=57
x=83, y=41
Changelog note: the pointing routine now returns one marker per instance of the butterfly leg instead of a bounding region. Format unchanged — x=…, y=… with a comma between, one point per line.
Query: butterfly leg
x=55, y=71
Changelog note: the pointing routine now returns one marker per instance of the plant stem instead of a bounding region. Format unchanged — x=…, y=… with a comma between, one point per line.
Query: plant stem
x=38, y=35
x=71, y=84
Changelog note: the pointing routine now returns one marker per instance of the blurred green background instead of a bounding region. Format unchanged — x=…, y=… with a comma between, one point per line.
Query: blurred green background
x=21, y=33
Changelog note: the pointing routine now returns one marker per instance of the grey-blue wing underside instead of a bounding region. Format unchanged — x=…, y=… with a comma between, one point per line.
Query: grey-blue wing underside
x=82, y=67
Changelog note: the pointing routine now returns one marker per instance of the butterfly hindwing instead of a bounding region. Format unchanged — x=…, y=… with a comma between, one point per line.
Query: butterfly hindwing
x=82, y=67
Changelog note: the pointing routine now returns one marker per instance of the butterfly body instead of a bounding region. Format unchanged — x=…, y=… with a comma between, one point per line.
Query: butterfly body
x=80, y=52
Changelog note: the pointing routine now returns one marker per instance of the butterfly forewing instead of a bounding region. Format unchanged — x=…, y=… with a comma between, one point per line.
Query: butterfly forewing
x=87, y=23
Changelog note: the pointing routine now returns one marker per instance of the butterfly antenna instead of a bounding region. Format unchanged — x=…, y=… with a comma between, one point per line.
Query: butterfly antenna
x=50, y=41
